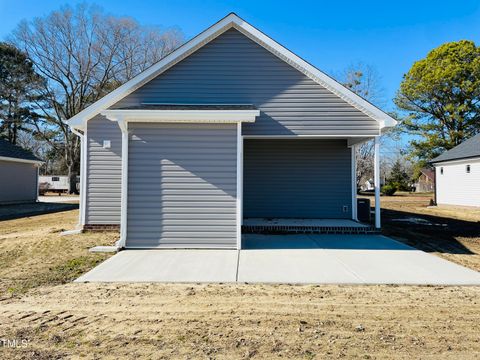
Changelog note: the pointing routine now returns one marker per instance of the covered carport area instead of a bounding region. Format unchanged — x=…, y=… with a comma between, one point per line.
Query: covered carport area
x=308, y=182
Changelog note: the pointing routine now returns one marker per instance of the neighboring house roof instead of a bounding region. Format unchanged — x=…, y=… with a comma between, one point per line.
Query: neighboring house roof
x=429, y=173
x=228, y=22
x=468, y=149
x=12, y=152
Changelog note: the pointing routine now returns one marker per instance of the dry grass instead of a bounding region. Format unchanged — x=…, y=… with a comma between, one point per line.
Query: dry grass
x=213, y=321
x=32, y=252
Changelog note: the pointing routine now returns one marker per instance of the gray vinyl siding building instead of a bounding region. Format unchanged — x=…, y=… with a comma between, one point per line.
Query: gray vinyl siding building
x=229, y=126
x=233, y=69
x=18, y=174
x=182, y=185
x=103, y=180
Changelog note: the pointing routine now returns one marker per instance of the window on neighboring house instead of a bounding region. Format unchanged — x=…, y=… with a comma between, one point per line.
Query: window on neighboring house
x=55, y=178
x=468, y=169
x=441, y=171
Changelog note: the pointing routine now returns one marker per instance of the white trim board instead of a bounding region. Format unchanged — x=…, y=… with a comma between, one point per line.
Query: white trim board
x=189, y=116
x=228, y=22
x=302, y=136
x=472, y=159
x=239, y=185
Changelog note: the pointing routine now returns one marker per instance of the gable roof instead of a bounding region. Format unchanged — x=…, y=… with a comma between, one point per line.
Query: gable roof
x=232, y=21
x=467, y=149
x=12, y=152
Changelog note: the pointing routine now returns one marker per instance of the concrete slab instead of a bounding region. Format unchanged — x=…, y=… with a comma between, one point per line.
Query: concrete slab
x=103, y=249
x=166, y=266
x=344, y=259
x=293, y=266
x=300, y=259
x=404, y=267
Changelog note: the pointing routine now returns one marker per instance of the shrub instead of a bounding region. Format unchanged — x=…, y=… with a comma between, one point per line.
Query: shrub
x=389, y=189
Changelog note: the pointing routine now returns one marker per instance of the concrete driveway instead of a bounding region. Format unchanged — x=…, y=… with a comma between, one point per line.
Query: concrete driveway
x=298, y=259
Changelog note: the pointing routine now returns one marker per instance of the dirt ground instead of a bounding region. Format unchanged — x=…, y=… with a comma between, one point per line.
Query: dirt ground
x=45, y=316
x=243, y=321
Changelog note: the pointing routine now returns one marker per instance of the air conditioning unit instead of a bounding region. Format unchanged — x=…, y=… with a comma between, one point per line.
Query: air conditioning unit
x=363, y=210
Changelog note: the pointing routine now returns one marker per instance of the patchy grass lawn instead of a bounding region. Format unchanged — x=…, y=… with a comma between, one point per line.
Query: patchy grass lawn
x=32, y=252
x=220, y=321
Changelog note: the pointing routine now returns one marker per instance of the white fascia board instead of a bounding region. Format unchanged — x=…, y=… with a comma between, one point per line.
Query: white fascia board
x=315, y=74
x=12, y=159
x=153, y=71
x=473, y=159
x=184, y=116
x=303, y=136
x=233, y=21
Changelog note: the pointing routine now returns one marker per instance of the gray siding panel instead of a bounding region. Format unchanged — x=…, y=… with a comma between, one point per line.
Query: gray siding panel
x=182, y=185
x=104, y=172
x=297, y=178
x=18, y=182
x=234, y=69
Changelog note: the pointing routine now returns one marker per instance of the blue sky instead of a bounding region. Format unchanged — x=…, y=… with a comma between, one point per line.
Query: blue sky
x=329, y=34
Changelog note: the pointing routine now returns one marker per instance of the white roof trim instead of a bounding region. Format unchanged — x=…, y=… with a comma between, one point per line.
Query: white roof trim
x=190, y=116
x=232, y=21
x=454, y=161
x=13, y=159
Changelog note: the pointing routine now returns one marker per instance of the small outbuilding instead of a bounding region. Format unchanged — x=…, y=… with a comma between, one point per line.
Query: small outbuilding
x=18, y=174
x=457, y=173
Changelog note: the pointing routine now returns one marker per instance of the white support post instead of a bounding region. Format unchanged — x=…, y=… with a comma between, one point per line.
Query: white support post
x=377, y=182
x=354, y=184
x=83, y=175
x=124, y=196
x=239, y=185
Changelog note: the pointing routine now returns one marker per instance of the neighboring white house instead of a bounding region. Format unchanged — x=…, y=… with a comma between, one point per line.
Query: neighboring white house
x=457, y=174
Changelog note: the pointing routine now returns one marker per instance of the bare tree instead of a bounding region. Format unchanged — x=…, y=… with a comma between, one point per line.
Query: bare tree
x=84, y=53
x=365, y=81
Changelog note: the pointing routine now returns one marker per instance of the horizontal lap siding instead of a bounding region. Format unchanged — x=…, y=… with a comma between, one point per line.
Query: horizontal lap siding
x=182, y=185
x=104, y=172
x=234, y=69
x=457, y=187
x=297, y=178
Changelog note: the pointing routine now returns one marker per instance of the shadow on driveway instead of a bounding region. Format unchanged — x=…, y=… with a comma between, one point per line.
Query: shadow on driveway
x=321, y=241
x=17, y=211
